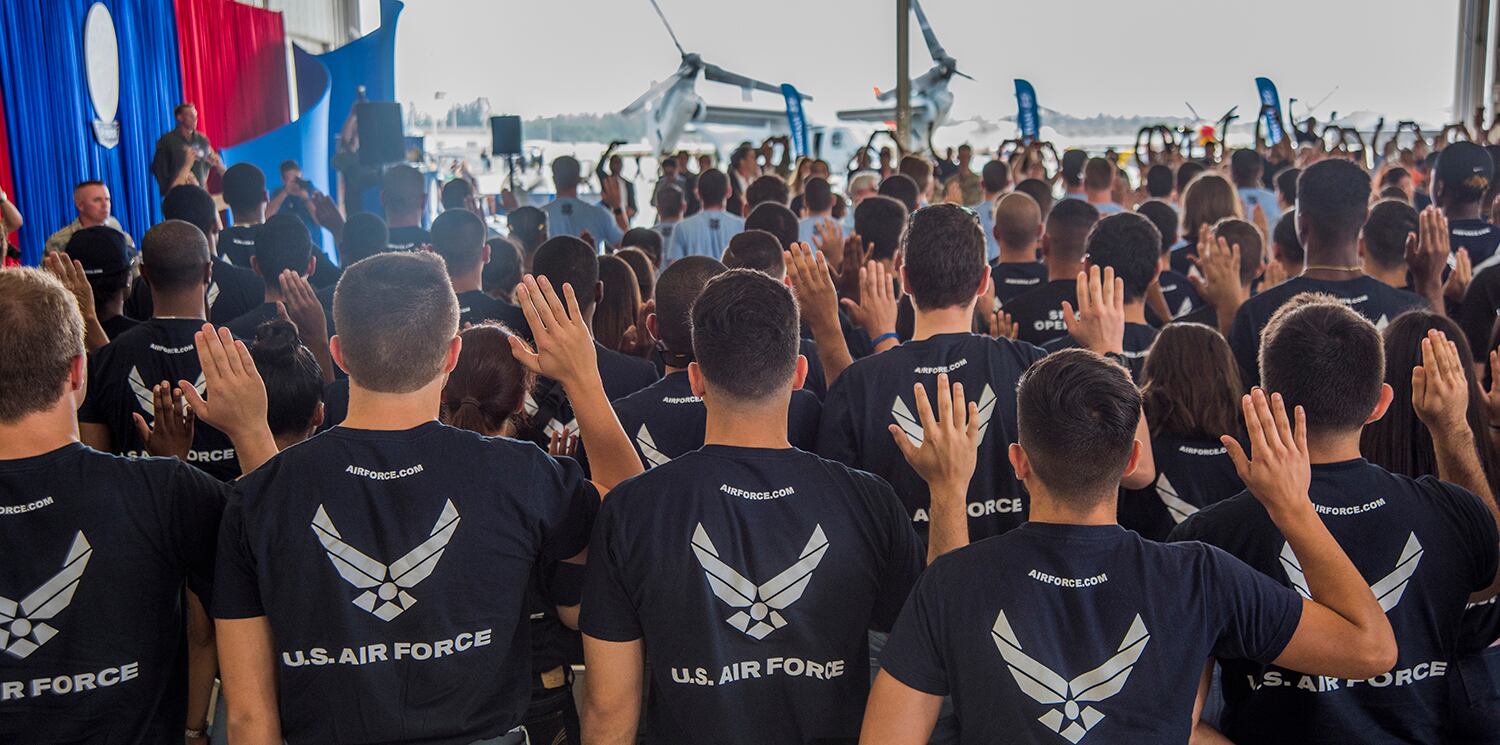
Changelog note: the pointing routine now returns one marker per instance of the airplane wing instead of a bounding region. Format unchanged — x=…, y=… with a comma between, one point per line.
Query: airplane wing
x=742, y=117
x=420, y=561
x=655, y=92
x=880, y=116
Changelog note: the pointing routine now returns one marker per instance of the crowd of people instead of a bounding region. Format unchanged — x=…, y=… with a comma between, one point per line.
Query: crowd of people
x=914, y=453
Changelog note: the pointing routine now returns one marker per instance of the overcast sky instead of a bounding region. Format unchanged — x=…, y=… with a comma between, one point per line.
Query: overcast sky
x=541, y=57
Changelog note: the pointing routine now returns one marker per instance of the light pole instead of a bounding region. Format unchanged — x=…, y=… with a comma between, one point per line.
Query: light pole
x=903, y=81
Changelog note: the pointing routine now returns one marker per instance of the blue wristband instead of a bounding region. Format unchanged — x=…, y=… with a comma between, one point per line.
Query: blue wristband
x=888, y=335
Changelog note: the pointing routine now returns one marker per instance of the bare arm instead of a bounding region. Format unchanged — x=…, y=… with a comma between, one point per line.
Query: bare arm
x=203, y=663
x=1203, y=732
x=945, y=460
x=10, y=217
x=898, y=714
x=565, y=353
x=248, y=667
x=612, y=697
x=1343, y=631
x=95, y=436
x=807, y=272
x=1440, y=395
x=238, y=405
x=70, y=273
x=1099, y=326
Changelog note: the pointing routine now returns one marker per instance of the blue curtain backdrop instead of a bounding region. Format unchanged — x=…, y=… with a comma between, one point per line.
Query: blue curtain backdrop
x=49, y=116
x=369, y=61
x=303, y=140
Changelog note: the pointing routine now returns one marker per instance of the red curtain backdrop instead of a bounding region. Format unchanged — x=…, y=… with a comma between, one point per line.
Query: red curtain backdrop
x=233, y=68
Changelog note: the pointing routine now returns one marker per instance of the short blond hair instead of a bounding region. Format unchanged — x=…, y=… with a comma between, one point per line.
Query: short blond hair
x=41, y=336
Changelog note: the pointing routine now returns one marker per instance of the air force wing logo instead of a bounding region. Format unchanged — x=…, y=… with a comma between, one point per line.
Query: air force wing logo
x=384, y=586
x=1177, y=507
x=758, y=616
x=143, y=395
x=912, y=426
x=1388, y=590
x=1047, y=687
x=649, y=453
x=23, y=627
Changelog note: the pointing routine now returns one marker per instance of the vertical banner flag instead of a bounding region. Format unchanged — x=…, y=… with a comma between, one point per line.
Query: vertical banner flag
x=1027, y=117
x=1270, y=98
x=795, y=120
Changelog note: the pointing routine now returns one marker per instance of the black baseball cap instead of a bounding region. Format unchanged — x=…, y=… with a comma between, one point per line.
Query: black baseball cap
x=1465, y=167
x=101, y=249
x=1073, y=162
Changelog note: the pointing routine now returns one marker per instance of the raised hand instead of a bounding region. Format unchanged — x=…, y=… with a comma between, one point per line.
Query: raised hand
x=1439, y=388
x=875, y=312
x=562, y=443
x=1274, y=275
x=1427, y=254
x=856, y=254
x=1278, y=469
x=302, y=308
x=1219, y=264
x=1002, y=326
x=564, y=345
x=236, y=402
x=949, y=450
x=1099, y=323
x=1458, y=279
x=828, y=237
x=69, y=271
x=170, y=435
x=811, y=283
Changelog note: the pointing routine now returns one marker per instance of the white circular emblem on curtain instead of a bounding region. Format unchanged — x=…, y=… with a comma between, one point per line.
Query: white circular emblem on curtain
x=101, y=59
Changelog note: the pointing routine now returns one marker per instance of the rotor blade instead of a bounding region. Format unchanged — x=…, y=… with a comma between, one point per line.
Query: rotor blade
x=963, y=75
x=653, y=94
x=670, y=32
x=720, y=75
x=933, y=47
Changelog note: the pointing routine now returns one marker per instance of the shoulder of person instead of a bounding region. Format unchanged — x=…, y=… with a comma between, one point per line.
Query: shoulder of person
x=1219, y=520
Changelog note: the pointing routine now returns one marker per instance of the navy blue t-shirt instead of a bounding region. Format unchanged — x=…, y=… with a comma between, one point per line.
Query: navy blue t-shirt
x=1388, y=525
x=1038, y=313
x=1367, y=296
x=1014, y=278
x=875, y=392
x=94, y=552
x=245, y=325
x=1179, y=293
x=121, y=375
x=1477, y=235
x=1082, y=633
x=665, y=420
x=1137, y=342
x=476, y=307
x=393, y=569
x=407, y=238
x=752, y=575
x=547, y=407
x=1478, y=311
x=1191, y=473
